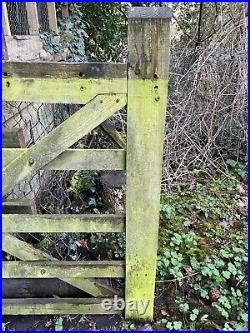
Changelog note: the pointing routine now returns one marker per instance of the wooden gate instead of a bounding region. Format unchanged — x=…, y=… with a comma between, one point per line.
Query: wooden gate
x=104, y=89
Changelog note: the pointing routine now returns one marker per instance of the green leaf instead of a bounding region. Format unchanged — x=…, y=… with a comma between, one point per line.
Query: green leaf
x=232, y=163
x=226, y=274
x=59, y=324
x=177, y=325
x=196, y=311
x=193, y=317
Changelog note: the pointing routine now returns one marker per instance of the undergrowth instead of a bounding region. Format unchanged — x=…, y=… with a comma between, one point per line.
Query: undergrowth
x=202, y=259
x=202, y=256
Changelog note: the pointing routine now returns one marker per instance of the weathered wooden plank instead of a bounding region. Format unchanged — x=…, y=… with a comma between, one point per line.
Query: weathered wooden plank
x=12, y=138
x=52, y=16
x=64, y=269
x=19, y=206
x=60, y=139
x=24, y=251
x=62, y=223
x=148, y=45
x=77, y=159
x=71, y=91
x=56, y=306
x=32, y=17
x=5, y=20
x=65, y=70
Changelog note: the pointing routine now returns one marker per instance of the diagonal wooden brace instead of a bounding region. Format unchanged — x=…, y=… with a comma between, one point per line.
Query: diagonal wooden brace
x=61, y=138
x=25, y=251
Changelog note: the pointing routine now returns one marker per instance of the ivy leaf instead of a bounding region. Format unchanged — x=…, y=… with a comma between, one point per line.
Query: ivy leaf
x=59, y=324
x=226, y=274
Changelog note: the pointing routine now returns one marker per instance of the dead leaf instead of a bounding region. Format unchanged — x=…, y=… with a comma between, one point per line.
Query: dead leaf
x=189, y=271
x=207, y=259
x=164, y=312
x=187, y=223
x=240, y=188
x=147, y=327
x=192, y=184
x=223, y=224
x=214, y=295
x=49, y=323
x=242, y=205
x=110, y=254
x=82, y=243
x=4, y=325
x=92, y=325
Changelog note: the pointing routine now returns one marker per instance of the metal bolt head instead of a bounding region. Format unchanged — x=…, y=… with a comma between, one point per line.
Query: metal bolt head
x=31, y=161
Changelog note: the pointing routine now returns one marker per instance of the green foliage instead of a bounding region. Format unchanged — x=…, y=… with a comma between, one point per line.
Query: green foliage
x=73, y=33
x=51, y=42
x=238, y=168
x=85, y=193
x=128, y=325
x=108, y=246
x=82, y=181
x=72, y=36
x=59, y=324
x=203, y=247
x=106, y=38
x=172, y=325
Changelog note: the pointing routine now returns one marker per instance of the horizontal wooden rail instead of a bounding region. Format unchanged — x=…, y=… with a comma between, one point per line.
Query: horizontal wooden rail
x=56, y=306
x=61, y=138
x=27, y=252
x=76, y=159
x=67, y=91
x=15, y=206
x=64, y=269
x=61, y=82
x=64, y=70
x=12, y=223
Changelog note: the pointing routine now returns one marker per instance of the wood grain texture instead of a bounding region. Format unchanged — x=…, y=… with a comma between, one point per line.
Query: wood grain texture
x=21, y=223
x=64, y=70
x=148, y=45
x=76, y=159
x=25, y=251
x=68, y=91
x=56, y=306
x=60, y=139
x=64, y=269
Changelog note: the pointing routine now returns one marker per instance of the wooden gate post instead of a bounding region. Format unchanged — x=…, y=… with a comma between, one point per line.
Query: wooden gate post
x=148, y=60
